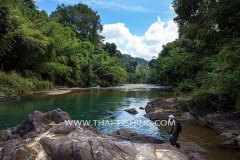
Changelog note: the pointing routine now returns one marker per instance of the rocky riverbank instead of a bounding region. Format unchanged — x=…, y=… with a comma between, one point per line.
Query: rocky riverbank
x=47, y=136
x=225, y=125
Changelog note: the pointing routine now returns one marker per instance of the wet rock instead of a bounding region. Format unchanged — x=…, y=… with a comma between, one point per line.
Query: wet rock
x=131, y=111
x=141, y=108
x=195, y=156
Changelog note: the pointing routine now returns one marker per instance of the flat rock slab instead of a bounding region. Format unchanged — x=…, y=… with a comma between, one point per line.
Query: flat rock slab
x=168, y=152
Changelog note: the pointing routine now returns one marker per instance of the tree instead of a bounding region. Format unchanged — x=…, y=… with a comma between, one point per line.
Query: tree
x=86, y=22
x=152, y=63
x=111, y=48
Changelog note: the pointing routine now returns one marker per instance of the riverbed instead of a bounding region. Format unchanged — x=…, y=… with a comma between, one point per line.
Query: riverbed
x=98, y=105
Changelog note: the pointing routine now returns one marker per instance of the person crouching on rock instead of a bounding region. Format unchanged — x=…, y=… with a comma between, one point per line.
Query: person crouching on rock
x=174, y=131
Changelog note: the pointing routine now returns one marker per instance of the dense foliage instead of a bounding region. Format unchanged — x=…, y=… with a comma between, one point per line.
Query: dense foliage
x=203, y=63
x=13, y=84
x=137, y=68
x=64, y=48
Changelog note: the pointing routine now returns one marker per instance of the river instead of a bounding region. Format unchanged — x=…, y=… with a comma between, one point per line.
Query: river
x=103, y=106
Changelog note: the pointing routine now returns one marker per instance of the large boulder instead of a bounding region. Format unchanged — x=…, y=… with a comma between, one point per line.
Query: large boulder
x=57, y=115
x=39, y=122
x=160, y=109
x=223, y=122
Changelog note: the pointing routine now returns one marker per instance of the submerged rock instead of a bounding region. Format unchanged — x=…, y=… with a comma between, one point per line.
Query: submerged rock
x=131, y=111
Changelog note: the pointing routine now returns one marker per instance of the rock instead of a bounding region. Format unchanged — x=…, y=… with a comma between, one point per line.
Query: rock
x=227, y=126
x=229, y=134
x=187, y=116
x=195, y=156
x=160, y=109
x=39, y=122
x=33, y=125
x=232, y=143
x=125, y=134
x=201, y=106
x=5, y=134
x=223, y=122
x=131, y=111
x=16, y=149
x=46, y=136
x=57, y=116
x=166, y=151
x=191, y=147
x=18, y=98
x=141, y=108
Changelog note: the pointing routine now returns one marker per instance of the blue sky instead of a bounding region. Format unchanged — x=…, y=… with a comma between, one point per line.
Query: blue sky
x=138, y=27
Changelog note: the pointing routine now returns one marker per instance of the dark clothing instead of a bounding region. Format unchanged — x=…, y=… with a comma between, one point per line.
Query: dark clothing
x=173, y=140
x=174, y=132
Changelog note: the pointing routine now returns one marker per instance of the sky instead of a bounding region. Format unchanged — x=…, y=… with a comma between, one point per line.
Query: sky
x=137, y=27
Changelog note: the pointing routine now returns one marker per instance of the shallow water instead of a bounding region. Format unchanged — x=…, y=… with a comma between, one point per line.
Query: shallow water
x=100, y=106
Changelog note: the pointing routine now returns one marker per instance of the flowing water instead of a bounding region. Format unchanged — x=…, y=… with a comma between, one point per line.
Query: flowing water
x=102, y=106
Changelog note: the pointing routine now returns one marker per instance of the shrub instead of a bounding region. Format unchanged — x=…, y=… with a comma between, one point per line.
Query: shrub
x=13, y=84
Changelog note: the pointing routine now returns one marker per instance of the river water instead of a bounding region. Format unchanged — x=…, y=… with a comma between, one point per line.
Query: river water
x=101, y=106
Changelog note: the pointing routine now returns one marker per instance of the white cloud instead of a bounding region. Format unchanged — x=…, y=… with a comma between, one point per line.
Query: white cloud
x=145, y=46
